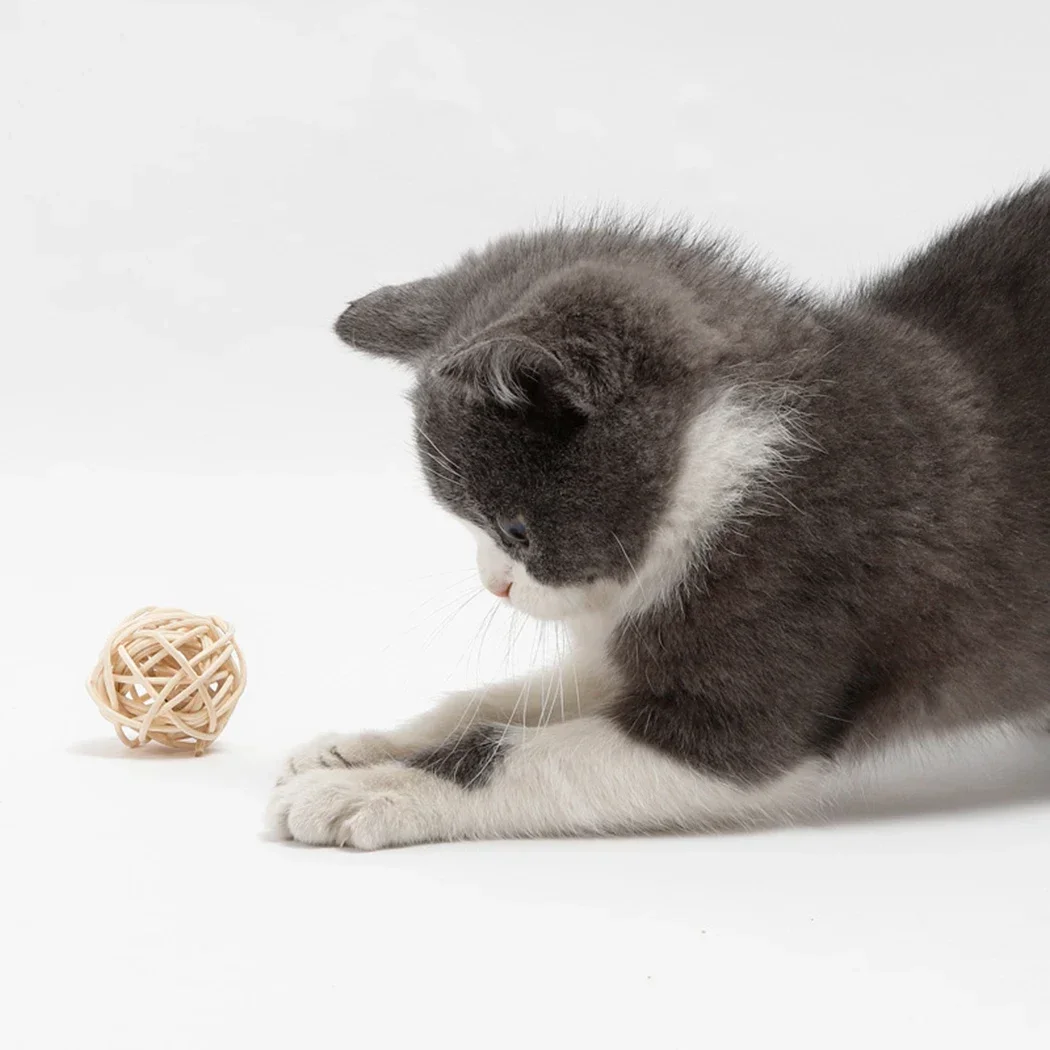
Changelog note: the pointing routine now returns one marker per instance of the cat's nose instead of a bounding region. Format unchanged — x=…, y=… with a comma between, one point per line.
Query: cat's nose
x=499, y=588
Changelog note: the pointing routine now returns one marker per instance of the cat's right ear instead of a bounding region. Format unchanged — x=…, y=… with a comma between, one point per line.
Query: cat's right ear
x=401, y=321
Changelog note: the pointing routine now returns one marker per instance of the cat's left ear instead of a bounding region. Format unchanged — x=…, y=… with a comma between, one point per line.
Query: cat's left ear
x=401, y=321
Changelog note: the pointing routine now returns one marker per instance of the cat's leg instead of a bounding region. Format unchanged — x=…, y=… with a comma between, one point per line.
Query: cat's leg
x=579, y=777
x=559, y=693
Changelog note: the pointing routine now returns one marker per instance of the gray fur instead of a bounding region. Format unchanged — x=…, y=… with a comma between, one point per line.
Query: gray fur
x=894, y=576
x=468, y=758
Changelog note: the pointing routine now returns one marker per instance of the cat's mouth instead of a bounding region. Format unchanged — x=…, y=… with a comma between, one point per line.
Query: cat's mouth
x=560, y=603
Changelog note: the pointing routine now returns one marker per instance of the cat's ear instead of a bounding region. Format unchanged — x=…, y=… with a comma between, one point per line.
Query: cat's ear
x=580, y=340
x=516, y=372
x=401, y=321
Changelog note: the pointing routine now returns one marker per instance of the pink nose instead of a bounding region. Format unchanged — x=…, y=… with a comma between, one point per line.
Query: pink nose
x=500, y=590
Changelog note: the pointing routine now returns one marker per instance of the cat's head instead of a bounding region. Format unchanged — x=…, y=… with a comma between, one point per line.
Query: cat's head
x=552, y=411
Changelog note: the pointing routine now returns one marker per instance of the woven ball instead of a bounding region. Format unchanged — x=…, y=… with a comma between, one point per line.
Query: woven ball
x=169, y=676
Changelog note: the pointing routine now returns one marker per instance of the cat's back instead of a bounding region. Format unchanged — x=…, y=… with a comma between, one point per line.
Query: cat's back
x=985, y=280
x=983, y=289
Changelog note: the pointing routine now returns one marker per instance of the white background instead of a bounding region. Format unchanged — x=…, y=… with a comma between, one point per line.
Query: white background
x=190, y=192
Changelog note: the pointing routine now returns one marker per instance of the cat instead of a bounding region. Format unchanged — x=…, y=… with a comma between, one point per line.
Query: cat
x=783, y=531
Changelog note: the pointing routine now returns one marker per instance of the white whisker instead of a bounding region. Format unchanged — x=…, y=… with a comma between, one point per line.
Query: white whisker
x=446, y=460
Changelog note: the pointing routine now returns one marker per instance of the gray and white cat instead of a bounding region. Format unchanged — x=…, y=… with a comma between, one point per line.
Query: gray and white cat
x=782, y=531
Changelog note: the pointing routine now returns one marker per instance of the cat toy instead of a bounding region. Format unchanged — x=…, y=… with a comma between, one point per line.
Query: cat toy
x=169, y=676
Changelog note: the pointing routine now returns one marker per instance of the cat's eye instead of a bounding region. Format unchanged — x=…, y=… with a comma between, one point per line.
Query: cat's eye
x=515, y=531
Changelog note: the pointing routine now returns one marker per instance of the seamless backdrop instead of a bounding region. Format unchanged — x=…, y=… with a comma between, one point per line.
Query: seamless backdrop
x=190, y=193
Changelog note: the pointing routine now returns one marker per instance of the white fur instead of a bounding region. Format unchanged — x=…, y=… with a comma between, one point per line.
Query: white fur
x=570, y=690
x=579, y=777
x=570, y=770
x=732, y=446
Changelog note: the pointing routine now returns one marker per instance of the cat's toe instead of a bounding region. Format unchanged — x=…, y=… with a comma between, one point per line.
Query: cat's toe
x=336, y=751
x=311, y=806
x=367, y=809
x=275, y=820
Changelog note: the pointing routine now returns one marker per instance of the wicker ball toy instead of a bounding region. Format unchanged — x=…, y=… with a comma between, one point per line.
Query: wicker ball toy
x=169, y=676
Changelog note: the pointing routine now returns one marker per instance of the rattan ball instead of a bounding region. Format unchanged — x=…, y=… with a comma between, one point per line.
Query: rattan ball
x=169, y=676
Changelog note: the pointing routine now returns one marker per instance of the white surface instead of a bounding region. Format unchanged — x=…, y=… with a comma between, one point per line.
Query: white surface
x=190, y=192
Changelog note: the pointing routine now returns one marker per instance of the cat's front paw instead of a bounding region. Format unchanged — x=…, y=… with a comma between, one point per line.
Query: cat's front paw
x=366, y=808
x=338, y=751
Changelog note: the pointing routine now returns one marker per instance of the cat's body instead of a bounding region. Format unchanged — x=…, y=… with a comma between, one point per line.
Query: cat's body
x=781, y=531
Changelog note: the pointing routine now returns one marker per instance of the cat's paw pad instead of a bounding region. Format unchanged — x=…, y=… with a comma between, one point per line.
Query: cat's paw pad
x=366, y=808
x=337, y=751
